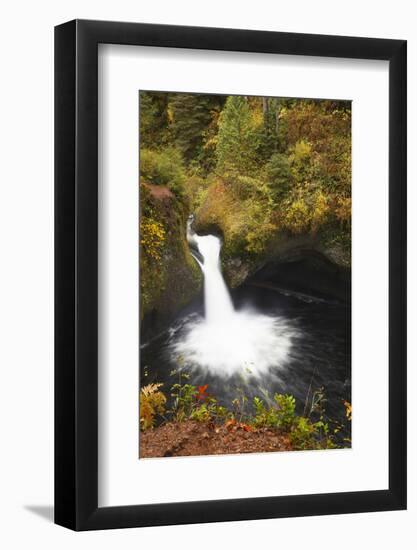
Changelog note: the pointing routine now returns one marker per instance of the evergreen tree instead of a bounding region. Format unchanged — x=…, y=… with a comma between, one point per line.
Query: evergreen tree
x=192, y=115
x=153, y=119
x=237, y=140
x=270, y=133
x=278, y=174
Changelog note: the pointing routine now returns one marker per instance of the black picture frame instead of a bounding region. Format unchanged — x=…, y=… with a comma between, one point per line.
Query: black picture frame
x=76, y=272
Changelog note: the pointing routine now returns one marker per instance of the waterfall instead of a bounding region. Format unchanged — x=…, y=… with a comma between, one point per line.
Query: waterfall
x=228, y=341
x=217, y=302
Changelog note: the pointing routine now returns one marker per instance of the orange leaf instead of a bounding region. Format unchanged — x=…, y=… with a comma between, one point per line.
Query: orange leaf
x=246, y=427
x=230, y=424
x=201, y=392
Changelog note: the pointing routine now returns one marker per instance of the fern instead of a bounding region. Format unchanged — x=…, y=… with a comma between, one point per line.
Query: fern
x=152, y=403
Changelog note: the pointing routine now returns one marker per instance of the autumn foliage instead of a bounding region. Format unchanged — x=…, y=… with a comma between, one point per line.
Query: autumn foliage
x=312, y=430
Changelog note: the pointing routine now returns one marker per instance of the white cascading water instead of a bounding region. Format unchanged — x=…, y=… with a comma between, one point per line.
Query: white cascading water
x=217, y=302
x=227, y=341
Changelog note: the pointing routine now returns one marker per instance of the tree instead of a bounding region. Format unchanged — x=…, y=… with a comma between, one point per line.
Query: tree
x=278, y=174
x=191, y=117
x=270, y=137
x=237, y=139
x=153, y=119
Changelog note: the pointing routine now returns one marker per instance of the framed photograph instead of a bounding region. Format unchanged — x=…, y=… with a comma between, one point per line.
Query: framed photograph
x=230, y=252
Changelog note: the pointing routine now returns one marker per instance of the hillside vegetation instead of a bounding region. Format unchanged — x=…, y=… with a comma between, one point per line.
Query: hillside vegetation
x=268, y=174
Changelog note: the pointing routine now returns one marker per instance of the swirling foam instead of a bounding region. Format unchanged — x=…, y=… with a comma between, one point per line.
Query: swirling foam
x=246, y=341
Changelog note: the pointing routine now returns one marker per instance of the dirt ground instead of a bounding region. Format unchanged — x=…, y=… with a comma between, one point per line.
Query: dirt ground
x=158, y=191
x=192, y=438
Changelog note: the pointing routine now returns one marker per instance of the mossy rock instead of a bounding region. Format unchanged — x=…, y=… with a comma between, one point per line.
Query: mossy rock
x=169, y=277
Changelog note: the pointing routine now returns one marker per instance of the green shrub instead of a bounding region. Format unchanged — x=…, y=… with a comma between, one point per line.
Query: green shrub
x=279, y=415
x=184, y=400
x=285, y=409
x=195, y=189
x=302, y=434
x=163, y=168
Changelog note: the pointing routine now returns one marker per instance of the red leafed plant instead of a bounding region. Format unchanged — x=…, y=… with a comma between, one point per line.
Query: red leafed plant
x=201, y=395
